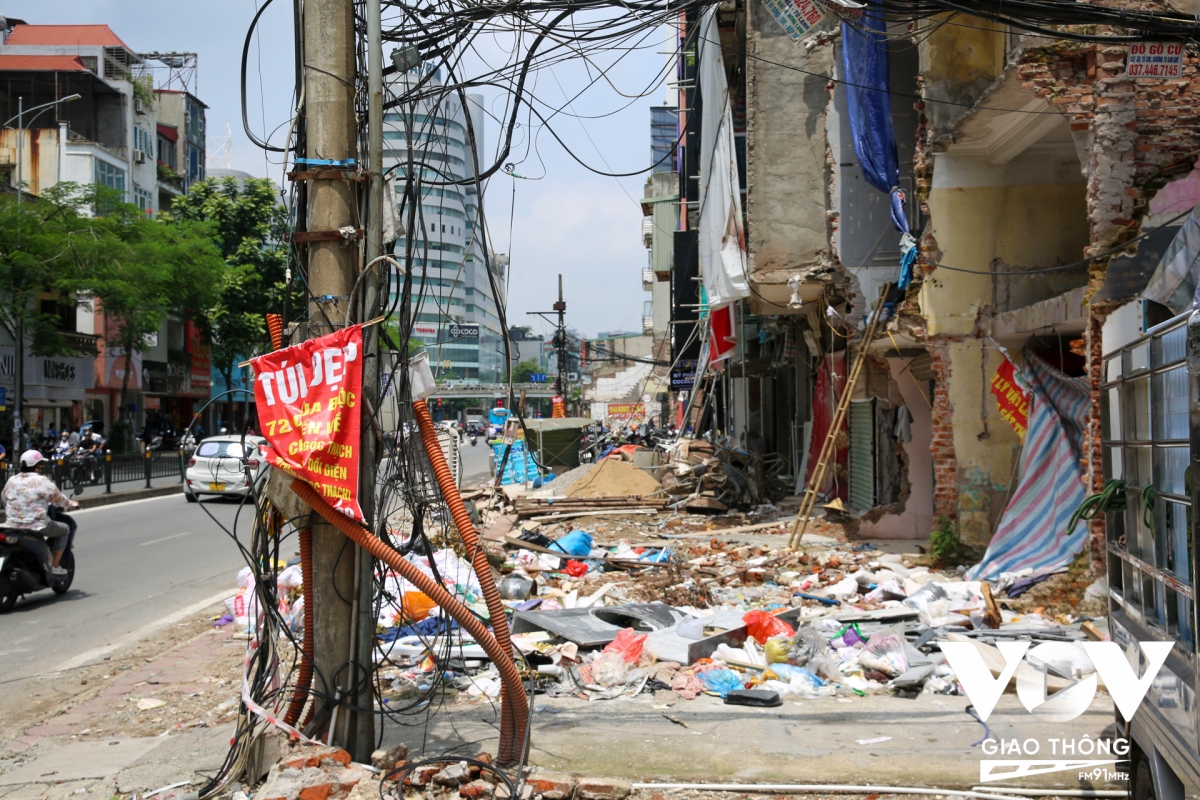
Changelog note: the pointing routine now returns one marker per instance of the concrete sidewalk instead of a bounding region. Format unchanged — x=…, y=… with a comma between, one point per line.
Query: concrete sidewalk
x=806, y=741
x=156, y=718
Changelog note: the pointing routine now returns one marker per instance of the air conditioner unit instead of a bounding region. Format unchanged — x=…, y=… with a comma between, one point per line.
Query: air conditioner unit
x=140, y=106
x=139, y=156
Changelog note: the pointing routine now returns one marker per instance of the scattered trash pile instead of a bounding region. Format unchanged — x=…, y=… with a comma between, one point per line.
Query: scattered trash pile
x=242, y=608
x=613, y=591
x=638, y=601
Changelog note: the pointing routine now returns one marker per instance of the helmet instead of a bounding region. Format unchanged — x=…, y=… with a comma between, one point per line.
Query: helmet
x=31, y=458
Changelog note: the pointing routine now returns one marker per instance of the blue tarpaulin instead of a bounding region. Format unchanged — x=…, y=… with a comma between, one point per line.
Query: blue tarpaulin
x=865, y=63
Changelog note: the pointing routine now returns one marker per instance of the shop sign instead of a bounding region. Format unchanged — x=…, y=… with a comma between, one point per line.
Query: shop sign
x=683, y=375
x=1154, y=60
x=626, y=410
x=796, y=17
x=1012, y=396
x=458, y=330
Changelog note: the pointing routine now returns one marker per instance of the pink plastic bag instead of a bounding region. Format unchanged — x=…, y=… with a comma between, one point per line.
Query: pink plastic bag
x=762, y=626
x=627, y=645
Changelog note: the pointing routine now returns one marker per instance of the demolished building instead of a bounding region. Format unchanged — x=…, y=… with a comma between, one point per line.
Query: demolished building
x=1040, y=183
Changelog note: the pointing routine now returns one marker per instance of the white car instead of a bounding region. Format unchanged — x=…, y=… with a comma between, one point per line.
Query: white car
x=220, y=466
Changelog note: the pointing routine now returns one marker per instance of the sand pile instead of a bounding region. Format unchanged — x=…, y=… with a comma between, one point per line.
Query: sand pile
x=612, y=478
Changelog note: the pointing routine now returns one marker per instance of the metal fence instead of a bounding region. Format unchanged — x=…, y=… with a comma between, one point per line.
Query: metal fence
x=109, y=470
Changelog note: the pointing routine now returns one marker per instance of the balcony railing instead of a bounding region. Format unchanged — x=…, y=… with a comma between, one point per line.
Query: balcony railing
x=83, y=344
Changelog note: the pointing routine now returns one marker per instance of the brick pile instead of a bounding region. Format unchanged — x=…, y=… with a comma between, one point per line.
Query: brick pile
x=327, y=773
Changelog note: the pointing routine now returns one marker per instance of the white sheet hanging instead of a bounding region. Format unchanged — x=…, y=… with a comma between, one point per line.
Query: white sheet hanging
x=722, y=237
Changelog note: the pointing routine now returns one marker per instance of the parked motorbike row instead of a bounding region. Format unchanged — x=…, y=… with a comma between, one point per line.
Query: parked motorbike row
x=596, y=445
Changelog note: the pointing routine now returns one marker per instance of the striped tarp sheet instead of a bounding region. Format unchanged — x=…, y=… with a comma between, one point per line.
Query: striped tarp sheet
x=1033, y=528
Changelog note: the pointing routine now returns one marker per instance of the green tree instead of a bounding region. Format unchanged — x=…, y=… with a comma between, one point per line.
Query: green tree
x=142, y=268
x=522, y=371
x=248, y=226
x=45, y=250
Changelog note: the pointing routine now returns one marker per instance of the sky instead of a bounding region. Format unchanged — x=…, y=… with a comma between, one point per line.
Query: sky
x=571, y=221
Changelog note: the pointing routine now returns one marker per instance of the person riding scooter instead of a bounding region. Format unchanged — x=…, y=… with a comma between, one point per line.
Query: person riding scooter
x=27, y=498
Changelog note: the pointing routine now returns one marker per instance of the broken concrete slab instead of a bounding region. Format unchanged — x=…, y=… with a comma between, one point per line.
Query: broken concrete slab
x=188, y=755
x=81, y=760
x=668, y=645
x=594, y=627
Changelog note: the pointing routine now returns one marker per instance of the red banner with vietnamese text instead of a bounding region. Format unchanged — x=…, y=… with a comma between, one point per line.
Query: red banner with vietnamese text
x=1011, y=396
x=308, y=398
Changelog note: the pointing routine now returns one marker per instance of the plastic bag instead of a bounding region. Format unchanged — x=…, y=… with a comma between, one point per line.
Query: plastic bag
x=762, y=626
x=576, y=569
x=885, y=653
x=721, y=681
x=290, y=578
x=627, y=646
x=414, y=607
x=926, y=595
x=802, y=681
x=776, y=649
x=610, y=671
x=575, y=543
x=691, y=629
x=849, y=636
x=807, y=644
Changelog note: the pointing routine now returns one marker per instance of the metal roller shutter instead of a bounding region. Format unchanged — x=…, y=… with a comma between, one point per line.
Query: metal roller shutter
x=862, y=454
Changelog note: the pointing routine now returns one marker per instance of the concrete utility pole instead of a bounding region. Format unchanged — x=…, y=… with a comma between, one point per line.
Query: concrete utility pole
x=364, y=727
x=329, y=80
x=561, y=308
x=559, y=341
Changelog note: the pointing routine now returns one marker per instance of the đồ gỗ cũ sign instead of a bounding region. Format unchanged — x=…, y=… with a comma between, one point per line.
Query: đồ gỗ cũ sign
x=309, y=408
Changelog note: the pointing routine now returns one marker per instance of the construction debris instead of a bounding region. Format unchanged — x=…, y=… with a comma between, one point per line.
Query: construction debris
x=718, y=605
x=613, y=478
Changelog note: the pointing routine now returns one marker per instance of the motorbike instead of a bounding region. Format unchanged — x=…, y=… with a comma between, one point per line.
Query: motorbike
x=21, y=571
x=474, y=440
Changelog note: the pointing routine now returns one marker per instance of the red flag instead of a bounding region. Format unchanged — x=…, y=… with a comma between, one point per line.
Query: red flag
x=309, y=400
x=724, y=338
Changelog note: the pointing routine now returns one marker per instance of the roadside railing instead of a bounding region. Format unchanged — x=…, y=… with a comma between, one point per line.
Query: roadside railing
x=71, y=474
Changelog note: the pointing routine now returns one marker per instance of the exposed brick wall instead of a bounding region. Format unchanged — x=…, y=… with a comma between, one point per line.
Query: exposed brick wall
x=1093, y=453
x=1130, y=133
x=945, y=463
x=1133, y=136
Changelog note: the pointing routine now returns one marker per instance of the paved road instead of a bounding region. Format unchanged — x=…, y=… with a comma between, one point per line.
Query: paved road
x=137, y=562
x=475, y=463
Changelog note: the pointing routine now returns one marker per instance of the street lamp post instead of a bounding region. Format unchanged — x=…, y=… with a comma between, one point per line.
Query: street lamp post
x=19, y=366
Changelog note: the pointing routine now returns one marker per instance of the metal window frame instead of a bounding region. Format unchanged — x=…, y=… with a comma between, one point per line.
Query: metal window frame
x=1117, y=551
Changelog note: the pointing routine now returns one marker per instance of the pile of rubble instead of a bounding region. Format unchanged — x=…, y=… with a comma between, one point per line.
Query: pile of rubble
x=312, y=772
x=615, y=591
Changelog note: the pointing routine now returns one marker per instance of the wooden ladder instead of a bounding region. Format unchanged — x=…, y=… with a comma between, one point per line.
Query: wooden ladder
x=839, y=416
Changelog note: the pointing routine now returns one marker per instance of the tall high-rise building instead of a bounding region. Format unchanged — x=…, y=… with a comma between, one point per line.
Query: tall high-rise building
x=453, y=302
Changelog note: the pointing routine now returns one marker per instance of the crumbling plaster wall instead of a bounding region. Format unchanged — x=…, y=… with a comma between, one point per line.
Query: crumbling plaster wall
x=786, y=170
x=916, y=520
x=958, y=64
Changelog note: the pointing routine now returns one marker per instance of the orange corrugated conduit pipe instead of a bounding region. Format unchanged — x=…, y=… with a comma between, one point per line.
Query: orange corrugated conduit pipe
x=512, y=730
x=514, y=708
x=300, y=695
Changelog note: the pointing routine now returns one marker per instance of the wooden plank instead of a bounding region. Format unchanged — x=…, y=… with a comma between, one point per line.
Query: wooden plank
x=574, y=514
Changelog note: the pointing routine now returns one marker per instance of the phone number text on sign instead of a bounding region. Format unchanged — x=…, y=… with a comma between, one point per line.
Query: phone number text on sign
x=1154, y=60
